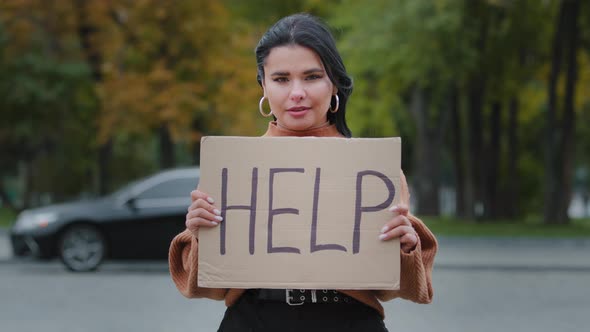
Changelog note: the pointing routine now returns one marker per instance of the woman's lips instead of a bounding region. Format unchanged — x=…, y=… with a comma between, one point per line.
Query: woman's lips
x=298, y=112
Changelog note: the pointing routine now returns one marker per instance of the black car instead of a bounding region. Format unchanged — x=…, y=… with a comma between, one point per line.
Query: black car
x=135, y=222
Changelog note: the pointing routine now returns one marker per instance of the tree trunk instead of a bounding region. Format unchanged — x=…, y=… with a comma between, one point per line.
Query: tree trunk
x=567, y=141
x=167, y=159
x=551, y=126
x=457, y=154
x=476, y=154
x=559, y=133
x=510, y=198
x=426, y=179
x=492, y=207
x=476, y=98
x=105, y=154
x=197, y=131
x=86, y=32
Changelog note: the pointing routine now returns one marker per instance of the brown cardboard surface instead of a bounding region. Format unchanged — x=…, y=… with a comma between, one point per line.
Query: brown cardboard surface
x=326, y=184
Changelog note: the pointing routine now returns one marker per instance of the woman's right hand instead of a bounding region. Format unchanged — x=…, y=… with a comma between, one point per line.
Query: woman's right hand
x=202, y=212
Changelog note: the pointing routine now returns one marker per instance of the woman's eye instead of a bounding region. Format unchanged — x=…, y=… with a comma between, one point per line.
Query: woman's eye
x=280, y=79
x=313, y=77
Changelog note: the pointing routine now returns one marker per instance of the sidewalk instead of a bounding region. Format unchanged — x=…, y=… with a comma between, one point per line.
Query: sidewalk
x=480, y=253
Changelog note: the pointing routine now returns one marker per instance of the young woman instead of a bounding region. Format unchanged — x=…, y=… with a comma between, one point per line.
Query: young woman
x=307, y=89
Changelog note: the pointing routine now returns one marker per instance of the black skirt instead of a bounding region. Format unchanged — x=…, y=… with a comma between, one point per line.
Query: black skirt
x=251, y=314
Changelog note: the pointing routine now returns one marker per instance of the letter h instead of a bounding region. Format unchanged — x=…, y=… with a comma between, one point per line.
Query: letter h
x=225, y=207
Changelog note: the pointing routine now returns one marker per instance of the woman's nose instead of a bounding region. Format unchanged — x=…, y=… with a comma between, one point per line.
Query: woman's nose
x=297, y=92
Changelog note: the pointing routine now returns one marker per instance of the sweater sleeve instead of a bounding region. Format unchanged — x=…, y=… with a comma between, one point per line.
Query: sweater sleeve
x=416, y=266
x=183, y=261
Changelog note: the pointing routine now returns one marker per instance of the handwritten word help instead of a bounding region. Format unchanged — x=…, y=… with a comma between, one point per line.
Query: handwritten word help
x=273, y=211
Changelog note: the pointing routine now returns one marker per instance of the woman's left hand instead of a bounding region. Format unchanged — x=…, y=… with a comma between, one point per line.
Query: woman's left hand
x=400, y=227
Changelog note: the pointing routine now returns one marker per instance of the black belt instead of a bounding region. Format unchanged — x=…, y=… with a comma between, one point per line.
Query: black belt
x=302, y=296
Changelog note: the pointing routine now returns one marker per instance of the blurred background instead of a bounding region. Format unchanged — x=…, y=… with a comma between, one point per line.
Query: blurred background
x=490, y=97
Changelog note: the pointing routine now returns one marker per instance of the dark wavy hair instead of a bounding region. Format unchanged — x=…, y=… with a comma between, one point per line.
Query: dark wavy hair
x=308, y=31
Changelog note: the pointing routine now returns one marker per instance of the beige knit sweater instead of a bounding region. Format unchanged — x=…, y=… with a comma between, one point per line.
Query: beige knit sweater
x=416, y=266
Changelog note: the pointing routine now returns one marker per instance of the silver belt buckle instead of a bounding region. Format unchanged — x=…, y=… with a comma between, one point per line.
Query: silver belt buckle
x=288, y=298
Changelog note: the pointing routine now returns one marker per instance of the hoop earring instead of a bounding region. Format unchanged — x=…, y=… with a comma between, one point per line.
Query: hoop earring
x=260, y=108
x=335, y=109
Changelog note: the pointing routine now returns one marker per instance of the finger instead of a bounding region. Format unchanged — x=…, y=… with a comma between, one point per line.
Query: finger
x=409, y=239
x=200, y=203
x=395, y=222
x=400, y=209
x=204, y=214
x=196, y=194
x=396, y=232
x=193, y=227
x=409, y=242
x=196, y=222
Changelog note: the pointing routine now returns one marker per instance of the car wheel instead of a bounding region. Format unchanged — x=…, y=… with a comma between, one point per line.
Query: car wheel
x=82, y=248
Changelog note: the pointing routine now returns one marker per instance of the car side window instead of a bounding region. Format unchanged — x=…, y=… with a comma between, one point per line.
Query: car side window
x=173, y=188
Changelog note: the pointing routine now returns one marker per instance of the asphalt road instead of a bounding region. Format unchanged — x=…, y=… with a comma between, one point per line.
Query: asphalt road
x=480, y=285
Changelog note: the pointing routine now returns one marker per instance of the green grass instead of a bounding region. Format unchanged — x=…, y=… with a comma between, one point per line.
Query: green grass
x=6, y=217
x=520, y=228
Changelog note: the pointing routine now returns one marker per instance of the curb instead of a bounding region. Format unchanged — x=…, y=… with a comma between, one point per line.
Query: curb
x=498, y=267
x=514, y=241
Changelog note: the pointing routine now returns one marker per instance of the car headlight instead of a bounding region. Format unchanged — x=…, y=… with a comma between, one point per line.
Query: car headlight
x=28, y=221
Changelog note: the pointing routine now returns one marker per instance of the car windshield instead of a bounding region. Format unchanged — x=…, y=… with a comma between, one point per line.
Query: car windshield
x=125, y=189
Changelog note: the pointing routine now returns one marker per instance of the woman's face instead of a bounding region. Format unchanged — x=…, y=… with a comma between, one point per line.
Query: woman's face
x=297, y=86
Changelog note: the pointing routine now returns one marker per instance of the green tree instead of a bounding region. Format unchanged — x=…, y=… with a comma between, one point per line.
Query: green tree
x=560, y=119
x=46, y=104
x=413, y=58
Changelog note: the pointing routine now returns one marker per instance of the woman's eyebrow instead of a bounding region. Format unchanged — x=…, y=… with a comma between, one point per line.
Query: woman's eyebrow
x=313, y=70
x=307, y=72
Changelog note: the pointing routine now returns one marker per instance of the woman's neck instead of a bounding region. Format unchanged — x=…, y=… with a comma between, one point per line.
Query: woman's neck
x=323, y=125
x=324, y=130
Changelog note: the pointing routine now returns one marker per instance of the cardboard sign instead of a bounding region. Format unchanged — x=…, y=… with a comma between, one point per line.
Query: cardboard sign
x=300, y=212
